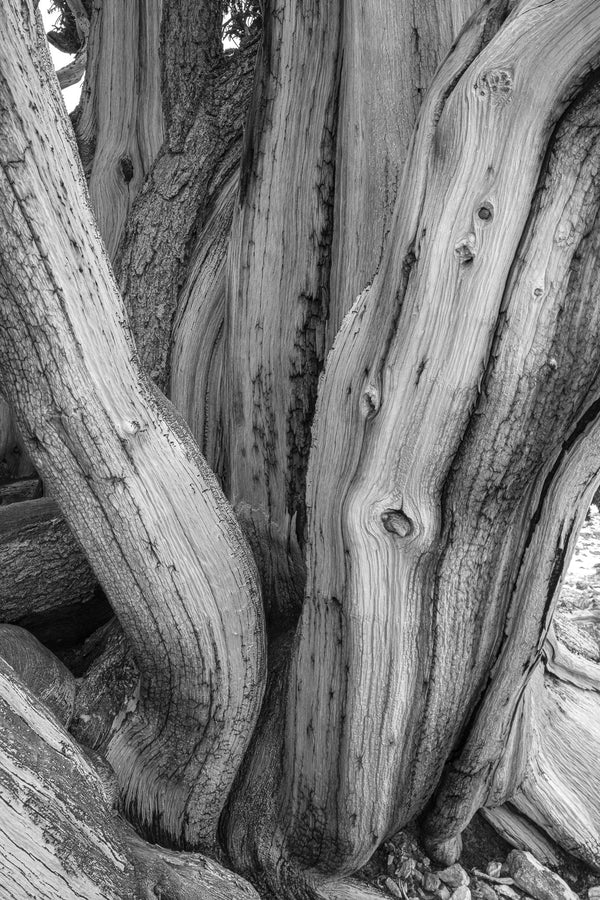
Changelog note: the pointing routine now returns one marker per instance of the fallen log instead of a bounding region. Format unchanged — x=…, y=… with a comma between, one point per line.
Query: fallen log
x=38, y=668
x=47, y=585
x=19, y=490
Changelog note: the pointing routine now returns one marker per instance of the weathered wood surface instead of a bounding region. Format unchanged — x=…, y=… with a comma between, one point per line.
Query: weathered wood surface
x=414, y=527
x=351, y=889
x=386, y=71
x=62, y=838
x=121, y=464
x=278, y=286
x=119, y=121
x=107, y=686
x=37, y=667
x=196, y=381
x=19, y=490
x=539, y=445
x=556, y=735
x=518, y=831
x=47, y=584
x=329, y=128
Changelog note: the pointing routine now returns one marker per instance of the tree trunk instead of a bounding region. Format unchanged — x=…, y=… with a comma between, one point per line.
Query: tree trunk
x=421, y=529
x=402, y=567
x=119, y=124
x=105, y=441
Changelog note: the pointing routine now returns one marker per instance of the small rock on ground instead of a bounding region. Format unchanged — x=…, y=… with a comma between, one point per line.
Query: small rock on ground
x=454, y=876
x=537, y=880
x=462, y=892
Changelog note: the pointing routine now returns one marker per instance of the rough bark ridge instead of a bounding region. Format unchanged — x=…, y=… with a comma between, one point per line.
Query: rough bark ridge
x=278, y=287
x=189, y=183
x=105, y=442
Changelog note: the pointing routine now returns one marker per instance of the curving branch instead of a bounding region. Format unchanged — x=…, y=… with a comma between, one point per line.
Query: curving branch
x=126, y=472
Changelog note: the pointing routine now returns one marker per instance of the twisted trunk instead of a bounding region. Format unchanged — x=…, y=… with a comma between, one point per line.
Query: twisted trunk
x=425, y=546
x=454, y=450
x=105, y=441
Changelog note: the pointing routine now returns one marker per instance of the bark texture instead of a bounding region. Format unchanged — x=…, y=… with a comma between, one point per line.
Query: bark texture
x=278, y=290
x=323, y=151
x=454, y=447
x=14, y=461
x=106, y=442
x=40, y=670
x=192, y=175
x=390, y=54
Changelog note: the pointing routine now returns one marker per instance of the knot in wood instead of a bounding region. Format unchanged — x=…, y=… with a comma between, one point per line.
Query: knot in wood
x=127, y=168
x=370, y=401
x=397, y=522
x=495, y=86
x=129, y=428
x=485, y=212
x=465, y=249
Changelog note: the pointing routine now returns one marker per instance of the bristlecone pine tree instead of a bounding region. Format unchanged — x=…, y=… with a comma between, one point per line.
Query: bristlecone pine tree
x=359, y=251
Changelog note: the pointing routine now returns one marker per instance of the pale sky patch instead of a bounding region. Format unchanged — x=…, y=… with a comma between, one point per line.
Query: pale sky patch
x=70, y=94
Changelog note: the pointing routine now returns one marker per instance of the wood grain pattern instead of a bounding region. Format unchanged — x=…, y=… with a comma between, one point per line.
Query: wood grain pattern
x=530, y=454
x=119, y=122
x=40, y=670
x=62, y=839
x=126, y=472
x=390, y=54
x=380, y=686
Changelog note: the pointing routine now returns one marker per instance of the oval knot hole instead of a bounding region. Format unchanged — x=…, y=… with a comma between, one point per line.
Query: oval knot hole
x=396, y=522
x=126, y=168
x=485, y=212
